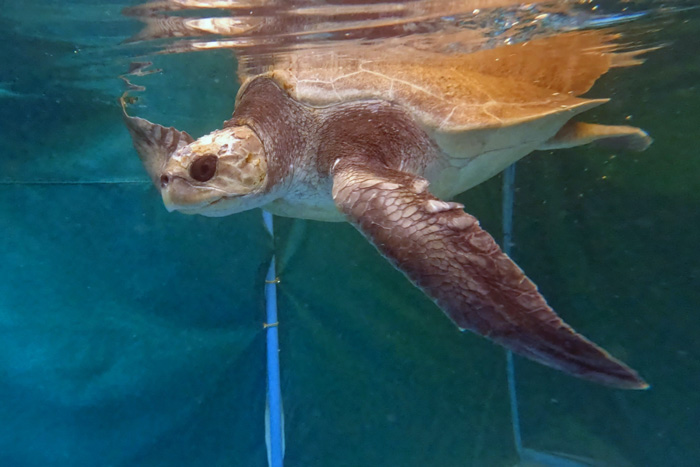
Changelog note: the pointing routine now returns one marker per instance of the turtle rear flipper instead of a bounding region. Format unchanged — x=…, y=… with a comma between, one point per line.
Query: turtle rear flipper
x=611, y=136
x=444, y=251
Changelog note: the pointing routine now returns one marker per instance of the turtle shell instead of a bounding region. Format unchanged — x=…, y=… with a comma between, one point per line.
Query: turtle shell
x=501, y=103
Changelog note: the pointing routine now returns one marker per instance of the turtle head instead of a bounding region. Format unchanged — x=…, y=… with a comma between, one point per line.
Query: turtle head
x=221, y=173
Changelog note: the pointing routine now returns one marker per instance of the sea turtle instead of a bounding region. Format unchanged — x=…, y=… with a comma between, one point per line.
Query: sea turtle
x=380, y=136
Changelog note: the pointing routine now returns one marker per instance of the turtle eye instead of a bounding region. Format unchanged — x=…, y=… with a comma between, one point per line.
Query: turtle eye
x=204, y=168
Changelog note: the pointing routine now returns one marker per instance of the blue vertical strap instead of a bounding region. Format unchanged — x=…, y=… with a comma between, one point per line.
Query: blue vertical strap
x=274, y=393
x=508, y=201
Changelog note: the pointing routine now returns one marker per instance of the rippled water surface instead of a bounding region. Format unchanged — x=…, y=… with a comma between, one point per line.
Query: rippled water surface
x=131, y=336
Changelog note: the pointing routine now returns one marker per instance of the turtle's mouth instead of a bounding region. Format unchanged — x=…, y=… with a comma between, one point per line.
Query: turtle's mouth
x=208, y=209
x=180, y=195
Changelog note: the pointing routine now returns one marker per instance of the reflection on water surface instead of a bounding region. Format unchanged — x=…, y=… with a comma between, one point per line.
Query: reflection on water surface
x=257, y=28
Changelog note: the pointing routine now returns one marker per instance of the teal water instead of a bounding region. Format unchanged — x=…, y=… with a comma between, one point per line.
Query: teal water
x=130, y=336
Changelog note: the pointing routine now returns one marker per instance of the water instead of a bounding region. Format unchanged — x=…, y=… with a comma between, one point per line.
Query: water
x=131, y=336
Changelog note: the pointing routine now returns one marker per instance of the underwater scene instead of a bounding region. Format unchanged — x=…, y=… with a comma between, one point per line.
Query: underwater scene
x=308, y=233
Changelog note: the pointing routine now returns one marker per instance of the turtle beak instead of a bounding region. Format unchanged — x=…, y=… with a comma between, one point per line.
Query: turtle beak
x=174, y=191
x=179, y=195
x=167, y=182
x=168, y=202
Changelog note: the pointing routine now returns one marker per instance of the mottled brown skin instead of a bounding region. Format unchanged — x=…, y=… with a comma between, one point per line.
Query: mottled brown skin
x=369, y=158
x=292, y=132
x=442, y=249
x=285, y=127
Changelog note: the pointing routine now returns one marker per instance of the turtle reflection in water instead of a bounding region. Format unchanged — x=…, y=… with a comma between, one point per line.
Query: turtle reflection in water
x=381, y=140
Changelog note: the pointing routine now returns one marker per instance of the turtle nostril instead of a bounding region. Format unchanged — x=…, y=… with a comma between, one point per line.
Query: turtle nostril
x=164, y=180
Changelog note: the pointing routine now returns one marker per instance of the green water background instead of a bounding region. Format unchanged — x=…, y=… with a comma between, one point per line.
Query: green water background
x=129, y=336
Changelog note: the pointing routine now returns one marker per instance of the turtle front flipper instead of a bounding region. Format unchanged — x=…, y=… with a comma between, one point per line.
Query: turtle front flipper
x=445, y=253
x=154, y=143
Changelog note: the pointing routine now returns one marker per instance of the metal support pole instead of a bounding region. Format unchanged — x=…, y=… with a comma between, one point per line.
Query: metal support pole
x=508, y=201
x=274, y=421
